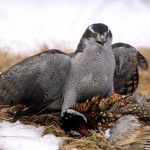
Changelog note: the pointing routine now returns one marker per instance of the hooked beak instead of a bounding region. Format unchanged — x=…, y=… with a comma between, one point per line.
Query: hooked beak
x=101, y=39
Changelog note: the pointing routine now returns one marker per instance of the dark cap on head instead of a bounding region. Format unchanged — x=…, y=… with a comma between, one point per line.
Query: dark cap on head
x=98, y=28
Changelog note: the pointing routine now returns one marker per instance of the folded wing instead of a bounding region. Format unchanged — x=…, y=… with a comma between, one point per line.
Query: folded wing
x=35, y=80
x=126, y=77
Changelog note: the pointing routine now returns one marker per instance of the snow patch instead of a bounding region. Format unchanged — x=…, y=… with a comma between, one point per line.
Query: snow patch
x=17, y=136
x=107, y=133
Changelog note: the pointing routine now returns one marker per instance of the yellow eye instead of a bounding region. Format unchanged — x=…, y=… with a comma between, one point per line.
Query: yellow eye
x=94, y=35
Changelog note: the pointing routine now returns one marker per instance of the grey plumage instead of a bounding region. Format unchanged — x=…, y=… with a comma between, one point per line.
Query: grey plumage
x=92, y=68
x=126, y=76
x=35, y=80
x=99, y=68
x=57, y=80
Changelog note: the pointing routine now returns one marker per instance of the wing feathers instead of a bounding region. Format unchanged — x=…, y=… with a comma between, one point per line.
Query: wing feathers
x=126, y=77
x=142, y=62
x=35, y=80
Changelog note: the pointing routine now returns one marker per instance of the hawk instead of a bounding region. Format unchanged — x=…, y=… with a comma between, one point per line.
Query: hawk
x=54, y=80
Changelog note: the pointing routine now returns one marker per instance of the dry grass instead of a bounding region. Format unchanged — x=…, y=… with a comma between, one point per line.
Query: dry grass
x=8, y=59
x=51, y=122
x=144, y=84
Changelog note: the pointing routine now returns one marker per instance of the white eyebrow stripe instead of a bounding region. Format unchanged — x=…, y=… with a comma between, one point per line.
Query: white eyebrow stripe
x=90, y=28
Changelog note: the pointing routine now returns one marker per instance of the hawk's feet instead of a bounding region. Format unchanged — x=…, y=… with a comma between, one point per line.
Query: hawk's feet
x=74, y=122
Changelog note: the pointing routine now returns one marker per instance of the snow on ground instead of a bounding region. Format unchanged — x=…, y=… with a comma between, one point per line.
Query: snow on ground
x=25, y=25
x=107, y=133
x=17, y=136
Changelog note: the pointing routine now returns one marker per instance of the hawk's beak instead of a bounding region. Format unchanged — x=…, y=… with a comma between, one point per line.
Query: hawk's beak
x=101, y=39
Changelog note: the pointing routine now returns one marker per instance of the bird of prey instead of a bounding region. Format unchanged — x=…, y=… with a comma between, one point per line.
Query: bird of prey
x=56, y=80
x=91, y=69
x=100, y=68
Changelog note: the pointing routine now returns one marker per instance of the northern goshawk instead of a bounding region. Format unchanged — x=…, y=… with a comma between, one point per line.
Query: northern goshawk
x=54, y=80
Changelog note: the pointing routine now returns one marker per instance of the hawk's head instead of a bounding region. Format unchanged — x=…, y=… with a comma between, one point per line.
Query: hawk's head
x=99, y=33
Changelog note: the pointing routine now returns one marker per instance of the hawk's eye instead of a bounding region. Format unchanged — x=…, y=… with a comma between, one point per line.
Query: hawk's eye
x=94, y=35
x=107, y=34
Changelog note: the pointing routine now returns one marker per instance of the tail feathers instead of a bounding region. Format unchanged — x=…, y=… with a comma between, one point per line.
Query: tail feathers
x=142, y=62
x=135, y=79
x=127, y=86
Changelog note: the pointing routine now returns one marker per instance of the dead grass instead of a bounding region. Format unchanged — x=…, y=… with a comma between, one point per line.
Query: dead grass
x=144, y=83
x=8, y=59
x=51, y=122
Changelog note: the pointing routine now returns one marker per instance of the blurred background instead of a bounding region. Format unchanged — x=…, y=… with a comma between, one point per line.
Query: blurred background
x=27, y=25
